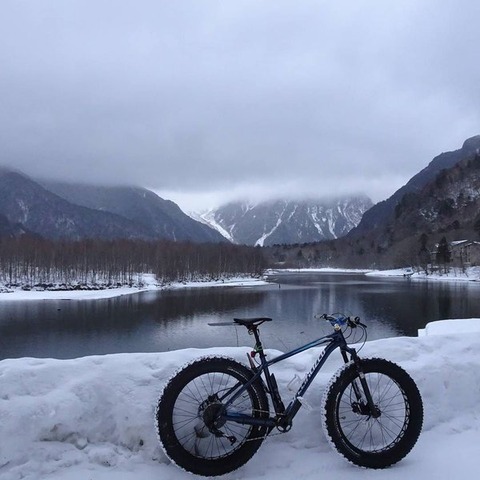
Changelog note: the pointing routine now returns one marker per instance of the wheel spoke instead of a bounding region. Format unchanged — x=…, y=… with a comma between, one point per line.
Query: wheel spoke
x=368, y=433
x=199, y=401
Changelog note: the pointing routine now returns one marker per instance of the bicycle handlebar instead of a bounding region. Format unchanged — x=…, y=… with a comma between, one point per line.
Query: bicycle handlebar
x=339, y=319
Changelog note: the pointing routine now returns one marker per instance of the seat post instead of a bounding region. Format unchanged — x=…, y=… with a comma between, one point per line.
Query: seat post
x=252, y=325
x=253, y=330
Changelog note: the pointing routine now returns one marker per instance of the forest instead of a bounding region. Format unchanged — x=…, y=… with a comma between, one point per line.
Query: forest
x=30, y=261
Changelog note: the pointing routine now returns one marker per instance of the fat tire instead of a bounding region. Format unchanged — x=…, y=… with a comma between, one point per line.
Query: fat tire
x=198, y=377
x=385, y=380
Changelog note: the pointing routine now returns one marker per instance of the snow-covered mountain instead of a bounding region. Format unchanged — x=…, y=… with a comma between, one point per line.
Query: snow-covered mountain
x=287, y=221
x=442, y=200
x=384, y=212
x=58, y=210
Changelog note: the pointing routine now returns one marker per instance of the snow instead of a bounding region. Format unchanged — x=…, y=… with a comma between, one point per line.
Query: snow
x=208, y=218
x=274, y=271
x=92, y=417
x=470, y=274
x=260, y=242
x=149, y=284
x=442, y=327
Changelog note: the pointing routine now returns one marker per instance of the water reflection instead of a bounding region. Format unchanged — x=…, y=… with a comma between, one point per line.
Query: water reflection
x=135, y=323
x=170, y=320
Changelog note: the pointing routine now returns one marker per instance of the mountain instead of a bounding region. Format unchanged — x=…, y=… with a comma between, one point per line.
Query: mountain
x=287, y=221
x=8, y=229
x=161, y=218
x=26, y=203
x=447, y=206
x=443, y=200
x=383, y=212
x=65, y=211
x=449, y=203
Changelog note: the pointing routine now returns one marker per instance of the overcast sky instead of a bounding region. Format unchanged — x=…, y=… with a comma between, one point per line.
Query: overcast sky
x=206, y=100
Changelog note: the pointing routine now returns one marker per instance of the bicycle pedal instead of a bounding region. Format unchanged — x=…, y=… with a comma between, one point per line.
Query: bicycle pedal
x=305, y=404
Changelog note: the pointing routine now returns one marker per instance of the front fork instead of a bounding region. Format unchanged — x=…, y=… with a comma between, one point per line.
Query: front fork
x=369, y=408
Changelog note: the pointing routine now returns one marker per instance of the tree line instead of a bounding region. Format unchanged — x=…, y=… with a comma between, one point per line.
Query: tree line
x=33, y=261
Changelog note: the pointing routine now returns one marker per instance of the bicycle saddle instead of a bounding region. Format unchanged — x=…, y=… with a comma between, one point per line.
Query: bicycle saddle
x=250, y=322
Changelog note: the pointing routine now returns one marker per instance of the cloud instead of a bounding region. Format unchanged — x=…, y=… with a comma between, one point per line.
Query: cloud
x=209, y=98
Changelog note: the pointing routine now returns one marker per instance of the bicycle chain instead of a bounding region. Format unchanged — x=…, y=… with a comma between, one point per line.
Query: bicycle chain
x=278, y=432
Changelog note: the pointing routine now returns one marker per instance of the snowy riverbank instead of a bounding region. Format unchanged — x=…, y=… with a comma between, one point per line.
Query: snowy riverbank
x=470, y=274
x=274, y=271
x=148, y=284
x=92, y=418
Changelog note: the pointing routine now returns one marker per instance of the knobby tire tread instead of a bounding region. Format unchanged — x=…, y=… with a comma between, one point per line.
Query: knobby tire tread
x=413, y=413
x=165, y=411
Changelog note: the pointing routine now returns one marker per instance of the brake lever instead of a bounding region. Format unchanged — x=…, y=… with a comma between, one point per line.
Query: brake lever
x=353, y=322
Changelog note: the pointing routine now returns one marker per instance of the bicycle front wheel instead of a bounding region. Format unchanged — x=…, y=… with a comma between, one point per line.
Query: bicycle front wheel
x=378, y=438
x=189, y=416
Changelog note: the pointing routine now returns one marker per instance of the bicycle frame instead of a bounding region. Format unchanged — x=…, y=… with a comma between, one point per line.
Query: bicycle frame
x=284, y=416
x=214, y=414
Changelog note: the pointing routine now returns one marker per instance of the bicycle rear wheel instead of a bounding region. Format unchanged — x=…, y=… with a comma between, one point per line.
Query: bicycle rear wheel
x=373, y=439
x=188, y=416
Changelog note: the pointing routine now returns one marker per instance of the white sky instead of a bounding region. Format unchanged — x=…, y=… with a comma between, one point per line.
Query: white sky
x=203, y=101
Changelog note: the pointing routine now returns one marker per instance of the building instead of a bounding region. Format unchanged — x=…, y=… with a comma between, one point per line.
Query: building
x=465, y=253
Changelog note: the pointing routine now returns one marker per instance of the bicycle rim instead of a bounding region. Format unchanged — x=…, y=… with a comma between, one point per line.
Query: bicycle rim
x=364, y=432
x=198, y=402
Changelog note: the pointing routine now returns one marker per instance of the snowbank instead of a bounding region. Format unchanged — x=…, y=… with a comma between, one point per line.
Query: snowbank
x=442, y=327
x=316, y=270
x=92, y=417
x=471, y=274
x=148, y=284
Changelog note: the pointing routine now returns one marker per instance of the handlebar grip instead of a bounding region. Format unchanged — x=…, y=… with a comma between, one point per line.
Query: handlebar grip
x=351, y=321
x=357, y=321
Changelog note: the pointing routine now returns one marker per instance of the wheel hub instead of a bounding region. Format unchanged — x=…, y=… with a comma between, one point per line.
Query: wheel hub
x=211, y=415
x=363, y=409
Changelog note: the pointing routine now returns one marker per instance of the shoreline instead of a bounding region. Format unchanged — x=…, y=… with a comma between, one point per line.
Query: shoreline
x=275, y=271
x=471, y=274
x=150, y=285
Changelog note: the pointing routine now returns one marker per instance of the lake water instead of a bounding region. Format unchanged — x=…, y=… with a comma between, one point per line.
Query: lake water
x=170, y=320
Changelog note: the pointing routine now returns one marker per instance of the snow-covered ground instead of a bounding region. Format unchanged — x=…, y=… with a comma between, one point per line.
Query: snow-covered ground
x=92, y=418
x=443, y=327
x=455, y=274
x=471, y=274
x=148, y=284
x=273, y=271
